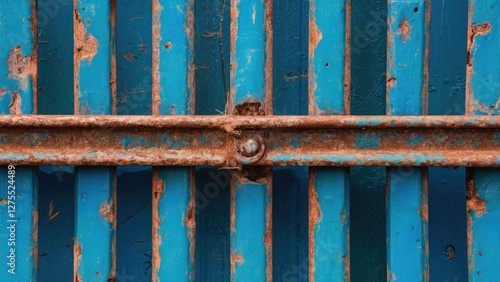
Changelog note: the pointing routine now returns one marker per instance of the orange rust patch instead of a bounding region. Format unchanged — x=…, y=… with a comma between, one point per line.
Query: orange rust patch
x=314, y=218
x=21, y=67
x=236, y=258
x=112, y=271
x=404, y=29
x=158, y=187
x=3, y=202
x=234, y=15
x=190, y=222
x=315, y=37
x=51, y=214
x=77, y=254
x=249, y=109
x=106, y=210
x=347, y=59
x=15, y=105
x=156, y=38
x=268, y=17
x=474, y=203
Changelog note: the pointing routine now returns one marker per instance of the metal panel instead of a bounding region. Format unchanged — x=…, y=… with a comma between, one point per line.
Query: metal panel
x=329, y=94
x=18, y=196
x=94, y=90
x=251, y=94
x=407, y=74
x=482, y=98
x=173, y=188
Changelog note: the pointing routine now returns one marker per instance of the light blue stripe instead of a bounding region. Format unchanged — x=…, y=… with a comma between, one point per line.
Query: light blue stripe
x=331, y=233
x=483, y=91
x=407, y=231
x=95, y=187
x=16, y=50
x=248, y=252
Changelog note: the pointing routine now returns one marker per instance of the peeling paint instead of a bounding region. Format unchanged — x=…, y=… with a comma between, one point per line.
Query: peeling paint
x=21, y=67
x=474, y=203
x=158, y=188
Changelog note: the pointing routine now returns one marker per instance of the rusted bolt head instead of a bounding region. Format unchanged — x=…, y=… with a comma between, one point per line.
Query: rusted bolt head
x=249, y=148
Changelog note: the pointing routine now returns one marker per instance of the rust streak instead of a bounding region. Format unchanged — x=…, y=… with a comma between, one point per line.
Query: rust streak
x=347, y=59
x=15, y=104
x=315, y=37
x=268, y=23
x=34, y=236
x=34, y=55
x=234, y=15
x=268, y=236
x=112, y=78
x=190, y=222
x=314, y=219
x=77, y=254
x=156, y=38
x=190, y=30
x=158, y=188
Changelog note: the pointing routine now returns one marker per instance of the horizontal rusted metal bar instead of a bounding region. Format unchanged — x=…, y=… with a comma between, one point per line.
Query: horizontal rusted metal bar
x=231, y=141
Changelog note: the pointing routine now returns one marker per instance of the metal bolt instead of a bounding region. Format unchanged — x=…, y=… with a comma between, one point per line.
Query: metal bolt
x=249, y=148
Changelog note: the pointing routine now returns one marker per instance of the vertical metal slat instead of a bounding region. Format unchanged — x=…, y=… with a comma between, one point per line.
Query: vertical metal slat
x=251, y=94
x=174, y=224
x=95, y=194
x=329, y=94
x=483, y=98
x=407, y=74
x=18, y=89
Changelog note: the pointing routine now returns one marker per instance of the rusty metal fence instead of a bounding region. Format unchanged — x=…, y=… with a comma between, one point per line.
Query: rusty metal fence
x=247, y=140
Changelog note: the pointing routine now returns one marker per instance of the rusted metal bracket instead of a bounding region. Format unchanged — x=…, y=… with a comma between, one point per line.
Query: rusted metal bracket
x=232, y=141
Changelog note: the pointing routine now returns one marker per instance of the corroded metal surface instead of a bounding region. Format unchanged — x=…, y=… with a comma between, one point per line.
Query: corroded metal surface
x=323, y=141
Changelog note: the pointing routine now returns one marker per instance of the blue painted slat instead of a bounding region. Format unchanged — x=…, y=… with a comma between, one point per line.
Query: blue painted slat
x=18, y=70
x=95, y=187
x=407, y=74
x=483, y=98
x=251, y=94
x=174, y=224
x=329, y=94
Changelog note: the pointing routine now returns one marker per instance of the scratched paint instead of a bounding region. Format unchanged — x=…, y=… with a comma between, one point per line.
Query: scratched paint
x=95, y=93
x=329, y=94
x=483, y=98
x=18, y=93
x=407, y=83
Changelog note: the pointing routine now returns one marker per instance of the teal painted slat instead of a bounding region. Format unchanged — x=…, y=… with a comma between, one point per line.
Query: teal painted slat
x=18, y=88
x=407, y=82
x=95, y=187
x=250, y=230
x=482, y=98
x=173, y=93
x=329, y=94
x=251, y=94
x=329, y=224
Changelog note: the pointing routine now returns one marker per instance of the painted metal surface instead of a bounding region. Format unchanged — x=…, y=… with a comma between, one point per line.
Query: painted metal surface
x=250, y=94
x=329, y=94
x=482, y=98
x=95, y=93
x=18, y=93
x=173, y=188
x=407, y=83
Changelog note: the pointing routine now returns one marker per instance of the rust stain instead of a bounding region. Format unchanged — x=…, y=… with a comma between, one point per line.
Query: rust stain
x=190, y=35
x=51, y=214
x=34, y=236
x=268, y=236
x=3, y=202
x=315, y=37
x=236, y=259
x=234, y=15
x=158, y=188
x=474, y=30
x=112, y=78
x=112, y=271
x=249, y=109
x=190, y=222
x=15, y=105
x=474, y=203
x=234, y=184
x=85, y=47
x=21, y=68
x=268, y=68
x=314, y=219
x=34, y=54
x=347, y=59
x=156, y=38
x=404, y=29
x=77, y=254
x=106, y=210
x=425, y=84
